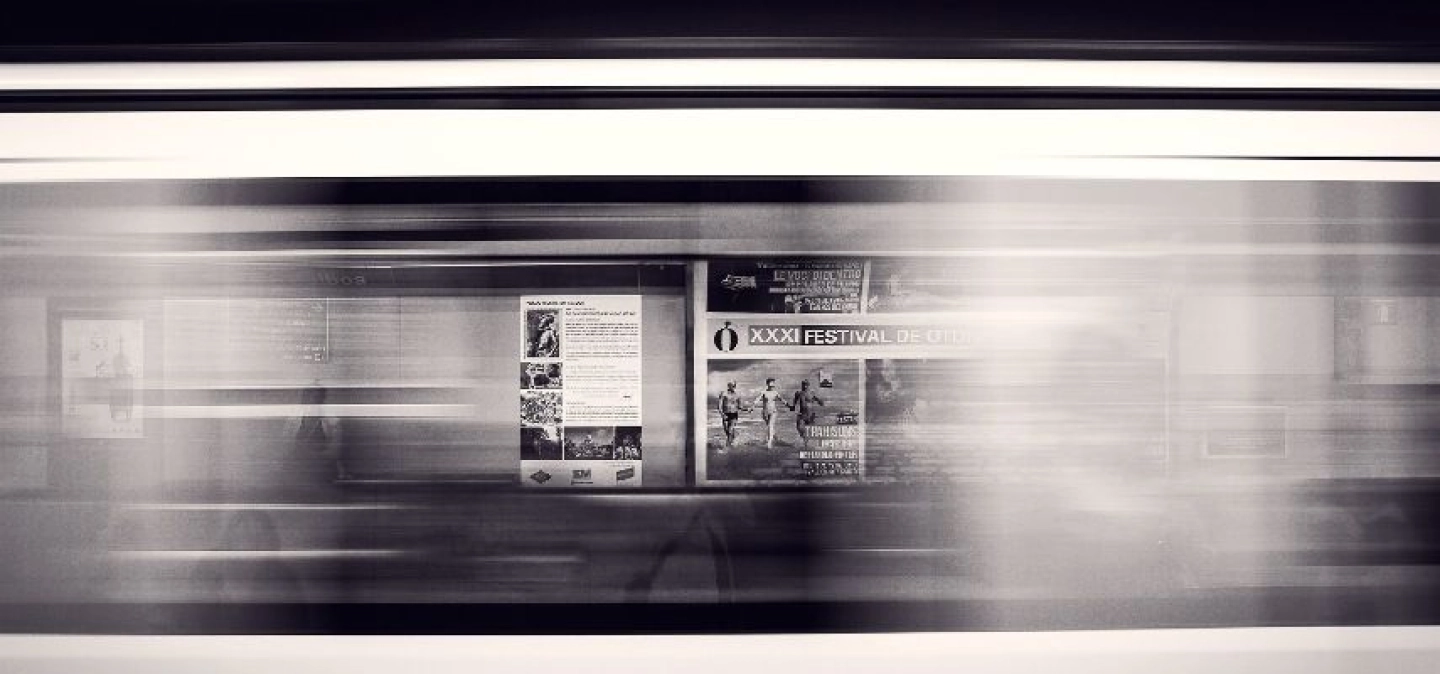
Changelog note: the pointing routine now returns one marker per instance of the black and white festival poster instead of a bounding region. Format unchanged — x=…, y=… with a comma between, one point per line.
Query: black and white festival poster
x=927, y=375
x=772, y=414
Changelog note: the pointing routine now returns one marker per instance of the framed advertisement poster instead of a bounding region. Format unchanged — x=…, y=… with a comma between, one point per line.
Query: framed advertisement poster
x=102, y=366
x=843, y=370
x=580, y=391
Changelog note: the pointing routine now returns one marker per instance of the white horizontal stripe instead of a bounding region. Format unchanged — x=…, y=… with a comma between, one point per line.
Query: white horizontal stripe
x=219, y=168
x=1165, y=144
x=1099, y=252
x=297, y=411
x=261, y=506
x=1242, y=651
x=204, y=555
x=732, y=72
x=302, y=384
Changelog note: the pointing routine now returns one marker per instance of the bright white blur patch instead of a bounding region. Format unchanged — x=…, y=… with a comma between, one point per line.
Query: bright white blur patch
x=731, y=72
x=1235, y=651
x=407, y=411
x=1142, y=144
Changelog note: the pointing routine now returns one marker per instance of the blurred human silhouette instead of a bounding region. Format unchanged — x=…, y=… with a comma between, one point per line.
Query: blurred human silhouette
x=316, y=436
x=699, y=550
x=122, y=386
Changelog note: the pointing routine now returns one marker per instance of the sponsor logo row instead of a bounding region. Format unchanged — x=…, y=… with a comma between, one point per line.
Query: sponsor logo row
x=583, y=476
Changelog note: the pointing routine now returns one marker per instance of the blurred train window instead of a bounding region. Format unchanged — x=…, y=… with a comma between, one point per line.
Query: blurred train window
x=1389, y=340
x=264, y=380
x=423, y=369
x=361, y=392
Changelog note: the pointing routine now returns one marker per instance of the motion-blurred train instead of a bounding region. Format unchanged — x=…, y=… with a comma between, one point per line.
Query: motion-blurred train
x=1091, y=364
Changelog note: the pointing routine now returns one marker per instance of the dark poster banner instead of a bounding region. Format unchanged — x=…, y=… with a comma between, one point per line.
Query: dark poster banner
x=835, y=286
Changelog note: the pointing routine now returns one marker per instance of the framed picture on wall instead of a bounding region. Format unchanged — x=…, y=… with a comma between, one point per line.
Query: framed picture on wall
x=102, y=366
x=1388, y=341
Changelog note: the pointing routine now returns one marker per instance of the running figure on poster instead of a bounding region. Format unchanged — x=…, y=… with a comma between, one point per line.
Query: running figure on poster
x=805, y=402
x=769, y=401
x=730, y=408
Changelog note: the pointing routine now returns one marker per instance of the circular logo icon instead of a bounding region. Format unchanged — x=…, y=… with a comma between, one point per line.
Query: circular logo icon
x=726, y=339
